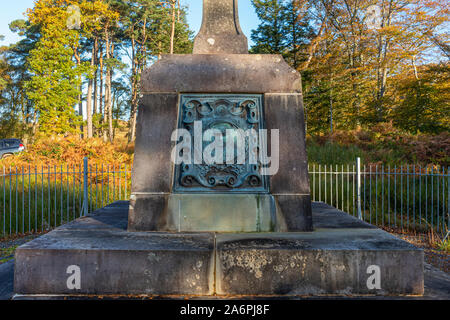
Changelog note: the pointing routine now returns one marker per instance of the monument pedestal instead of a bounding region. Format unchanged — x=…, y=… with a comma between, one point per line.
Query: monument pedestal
x=204, y=229
x=338, y=258
x=219, y=81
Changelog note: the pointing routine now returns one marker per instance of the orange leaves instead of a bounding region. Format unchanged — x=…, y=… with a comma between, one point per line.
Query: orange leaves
x=71, y=151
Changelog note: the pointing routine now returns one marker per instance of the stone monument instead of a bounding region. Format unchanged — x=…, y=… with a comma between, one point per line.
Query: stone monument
x=221, y=86
x=206, y=228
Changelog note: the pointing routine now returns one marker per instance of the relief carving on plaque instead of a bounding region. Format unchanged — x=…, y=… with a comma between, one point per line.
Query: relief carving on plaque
x=236, y=117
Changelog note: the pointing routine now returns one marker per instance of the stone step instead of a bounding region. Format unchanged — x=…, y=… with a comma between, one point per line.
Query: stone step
x=348, y=257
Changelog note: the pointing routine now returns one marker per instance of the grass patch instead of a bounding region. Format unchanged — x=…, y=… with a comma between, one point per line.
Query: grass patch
x=331, y=153
x=7, y=254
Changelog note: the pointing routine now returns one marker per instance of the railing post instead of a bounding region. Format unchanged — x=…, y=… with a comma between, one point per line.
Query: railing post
x=358, y=184
x=85, y=186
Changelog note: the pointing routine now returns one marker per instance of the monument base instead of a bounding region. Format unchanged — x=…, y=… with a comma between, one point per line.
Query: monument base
x=96, y=255
x=212, y=212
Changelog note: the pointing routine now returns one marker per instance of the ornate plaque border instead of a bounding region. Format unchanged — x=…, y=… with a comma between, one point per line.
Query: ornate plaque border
x=242, y=111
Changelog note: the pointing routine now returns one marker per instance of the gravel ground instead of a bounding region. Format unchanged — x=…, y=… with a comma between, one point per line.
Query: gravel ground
x=437, y=258
x=8, y=246
x=17, y=241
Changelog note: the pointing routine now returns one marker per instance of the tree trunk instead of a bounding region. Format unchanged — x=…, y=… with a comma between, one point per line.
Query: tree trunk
x=89, y=99
x=34, y=128
x=134, y=96
x=172, y=33
x=80, y=105
x=80, y=111
x=95, y=98
x=100, y=97
x=108, y=115
x=110, y=108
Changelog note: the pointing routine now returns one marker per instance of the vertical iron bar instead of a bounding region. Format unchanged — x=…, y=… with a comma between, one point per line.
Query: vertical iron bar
x=389, y=195
x=448, y=198
x=35, y=198
x=108, y=201
x=68, y=192
x=426, y=195
x=62, y=199
x=23, y=201
x=120, y=182
x=376, y=194
x=395, y=196
x=337, y=187
x=331, y=185
x=320, y=185
x=91, y=203
x=401, y=196
x=342, y=187
x=314, y=182
x=420, y=196
x=364, y=188
x=42, y=199
x=443, y=199
x=437, y=199
x=370, y=194
x=348, y=188
x=126, y=183
x=96, y=186
x=4, y=201
x=85, y=187
x=358, y=188
x=81, y=191
x=114, y=182
x=325, y=187
x=407, y=195
x=382, y=195
x=353, y=190
x=432, y=202
x=414, y=196
x=29, y=198
x=10, y=200
x=102, y=187
x=56, y=201
x=17, y=202
x=49, y=198
x=73, y=193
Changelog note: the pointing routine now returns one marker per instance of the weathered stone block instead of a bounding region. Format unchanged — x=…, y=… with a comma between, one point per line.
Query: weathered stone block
x=221, y=73
x=113, y=261
x=324, y=262
x=152, y=167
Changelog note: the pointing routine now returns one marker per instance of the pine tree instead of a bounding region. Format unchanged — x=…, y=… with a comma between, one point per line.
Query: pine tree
x=269, y=37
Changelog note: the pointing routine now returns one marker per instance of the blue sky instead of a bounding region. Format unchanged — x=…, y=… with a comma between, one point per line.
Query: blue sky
x=15, y=9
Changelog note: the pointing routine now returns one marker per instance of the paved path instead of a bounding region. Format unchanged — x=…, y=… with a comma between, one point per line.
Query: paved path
x=6, y=280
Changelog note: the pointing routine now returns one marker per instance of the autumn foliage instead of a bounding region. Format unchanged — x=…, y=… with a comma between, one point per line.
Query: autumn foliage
x=71, y=151
x=386, y=144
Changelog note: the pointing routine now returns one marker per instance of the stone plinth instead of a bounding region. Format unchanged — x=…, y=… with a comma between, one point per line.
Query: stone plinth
x=336, y=259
